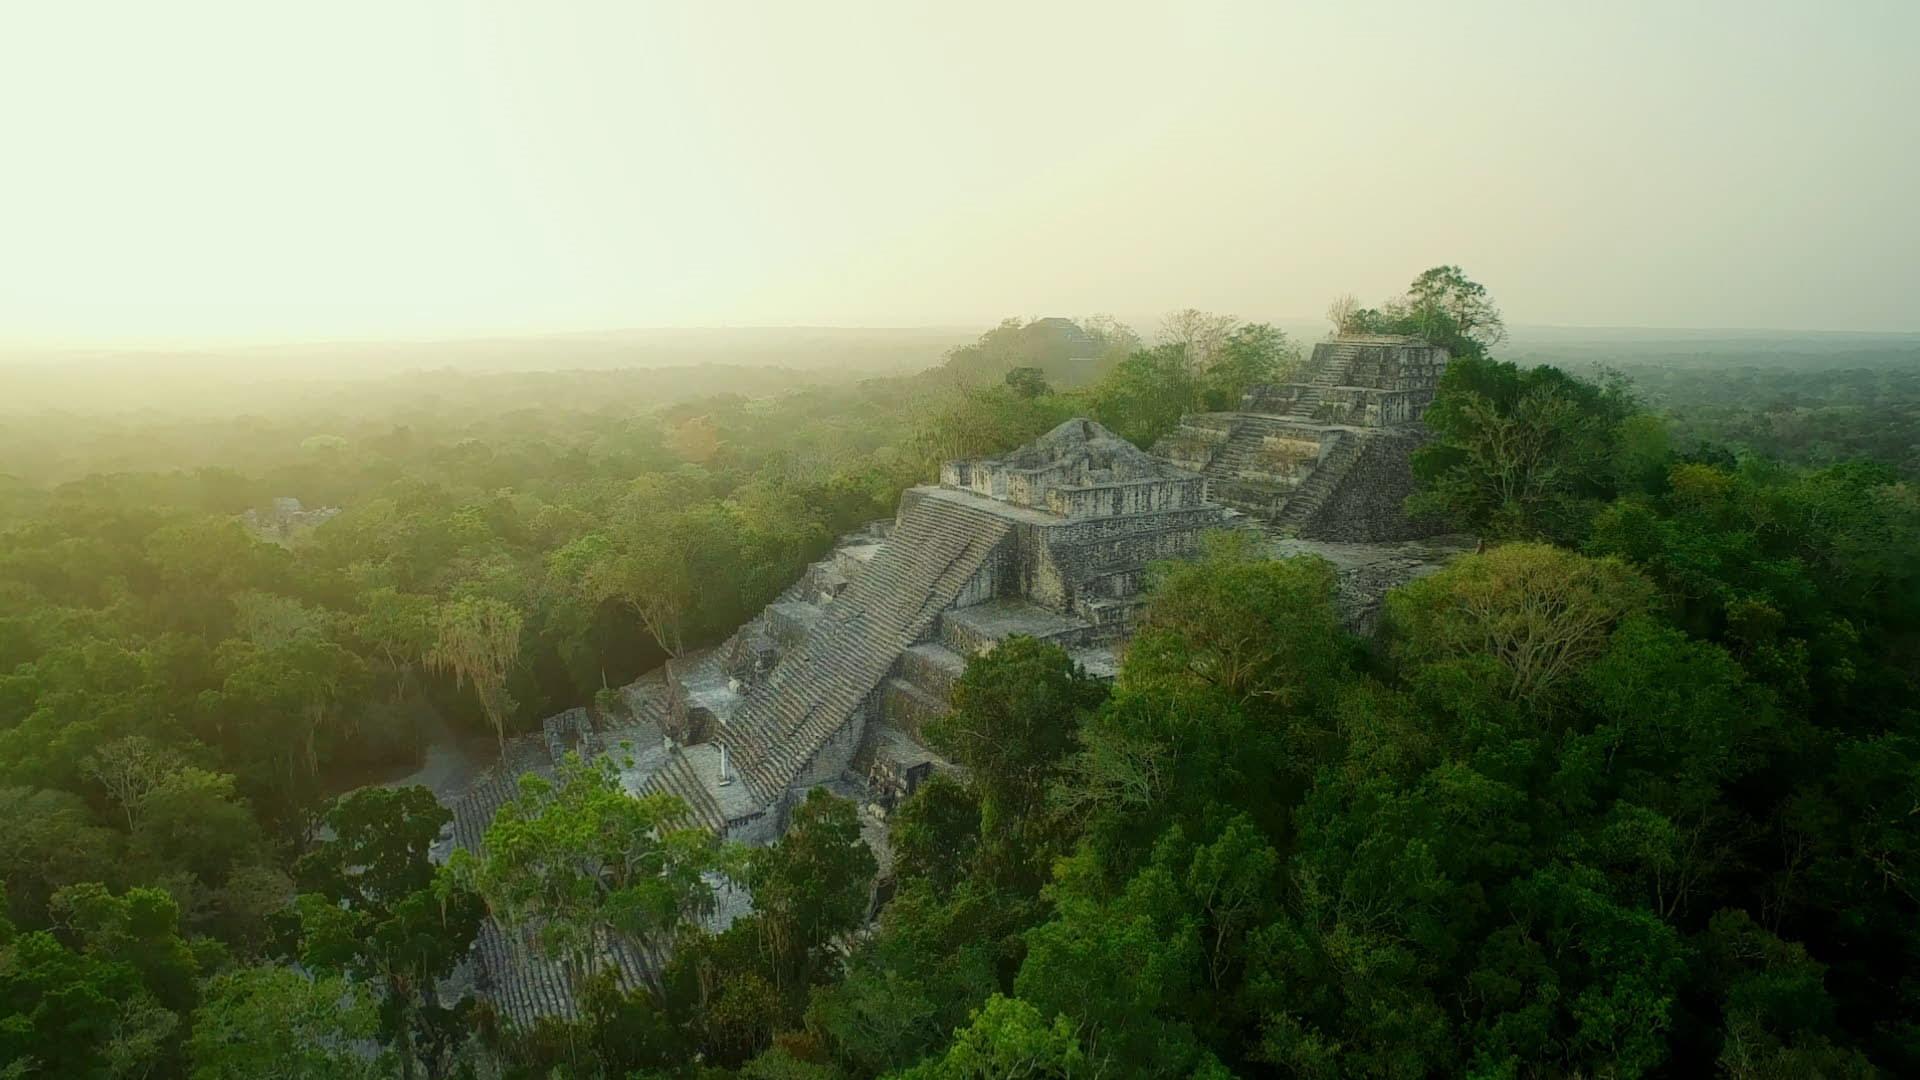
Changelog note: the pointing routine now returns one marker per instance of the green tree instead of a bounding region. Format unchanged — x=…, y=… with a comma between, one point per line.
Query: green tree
x=1451, y=309
x=130, y=769
x=579, y=865
x=195, y=822
x=1007, y=1038
x=1147, y=394
x=399, y=628
x=1252, y=354
x=106, y=1001
x=51, y=841
x=1529, y=615
x=379, y=910
x=932, y=959
x=1028, y=382
x=935, y=833
x=812, y=886
x=1524, y=453
x=477, y=640
x=1015, y=712
x=273, y=1022
x=1222, y=700
x=1133, y=968
x=1443, y=306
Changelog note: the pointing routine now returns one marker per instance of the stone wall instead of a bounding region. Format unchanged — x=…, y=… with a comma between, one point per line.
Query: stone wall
x=1197, y=441
x=1285, y=458
x=1368, y=504
x=1086, y=570
x=1359, y=407
x=1077, y=469
x=1413, y=368
x=996, y=577
x=1272, y=399
x=1047, y=564
x=1127, y=497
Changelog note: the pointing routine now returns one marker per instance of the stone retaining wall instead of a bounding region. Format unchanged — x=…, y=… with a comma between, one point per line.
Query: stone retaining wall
x=1368, y=505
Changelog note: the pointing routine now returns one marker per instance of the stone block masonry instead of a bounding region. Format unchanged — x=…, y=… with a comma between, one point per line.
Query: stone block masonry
x=1064, y=527
x=831, y=684
x=1327, y=457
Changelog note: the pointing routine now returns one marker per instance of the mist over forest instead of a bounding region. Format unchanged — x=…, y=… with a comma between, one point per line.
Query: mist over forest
x=75, y=411
x=1612, y=778
x=1006, y=540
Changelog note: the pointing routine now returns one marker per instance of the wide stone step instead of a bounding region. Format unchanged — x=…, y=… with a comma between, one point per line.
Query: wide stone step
x=907, y=706
x=933, y=667
x=1112, y=614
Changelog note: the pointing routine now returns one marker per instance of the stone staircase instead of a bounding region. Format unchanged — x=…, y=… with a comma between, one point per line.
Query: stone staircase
x=507, y=967
x=524, y=984
x=1334, y=368
x=1238, y=458
x=937, y=546
x=1243, y=446
x=1306, y=405
x=1307, y=499
x=1340, y=358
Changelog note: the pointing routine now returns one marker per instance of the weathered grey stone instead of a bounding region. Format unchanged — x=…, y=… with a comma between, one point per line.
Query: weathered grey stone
x=1328, y=457
x=830, y=685
x=1366, y=572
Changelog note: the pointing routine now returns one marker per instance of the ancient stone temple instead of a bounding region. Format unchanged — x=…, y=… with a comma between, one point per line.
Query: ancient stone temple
x=1327, y=458
x=831, y=683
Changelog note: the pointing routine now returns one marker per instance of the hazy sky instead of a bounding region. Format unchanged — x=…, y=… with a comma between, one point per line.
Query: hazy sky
x=261, y=169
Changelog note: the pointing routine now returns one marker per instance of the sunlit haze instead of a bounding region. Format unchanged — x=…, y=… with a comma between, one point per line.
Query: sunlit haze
x=231, y=170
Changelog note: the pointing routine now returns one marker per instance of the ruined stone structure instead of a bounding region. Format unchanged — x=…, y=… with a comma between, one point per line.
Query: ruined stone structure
x=286, y=520
x=830, y=684
x=1327, y=458
x=837, y=677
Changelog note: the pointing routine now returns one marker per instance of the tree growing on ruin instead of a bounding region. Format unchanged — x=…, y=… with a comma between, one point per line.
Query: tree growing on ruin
x=477, y=640
x=375, y=907
x=1443, y=305
x=1343, y=313
x=1197, y=335
x=812, y=886
x=1251, y=354
x=1445, y=302
x=1145, y=396
x=580, y=865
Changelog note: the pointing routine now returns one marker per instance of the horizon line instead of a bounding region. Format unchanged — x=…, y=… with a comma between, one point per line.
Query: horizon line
x=474, y=337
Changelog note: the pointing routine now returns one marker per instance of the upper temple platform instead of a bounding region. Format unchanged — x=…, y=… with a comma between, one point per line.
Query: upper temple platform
x=1327, y=457
x=1079, y=470
x=1357, y=380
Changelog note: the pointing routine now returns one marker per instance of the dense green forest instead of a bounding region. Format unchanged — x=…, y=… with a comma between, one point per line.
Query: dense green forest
x=1630, y=792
